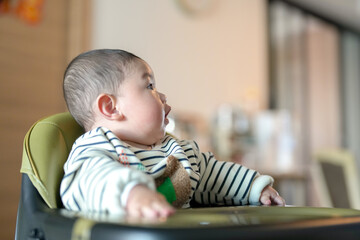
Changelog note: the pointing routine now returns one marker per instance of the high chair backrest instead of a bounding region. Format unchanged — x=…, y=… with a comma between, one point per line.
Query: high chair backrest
x=46, y=148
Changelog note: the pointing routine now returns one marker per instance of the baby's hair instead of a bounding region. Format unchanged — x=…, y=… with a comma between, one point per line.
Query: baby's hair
x=90, y=74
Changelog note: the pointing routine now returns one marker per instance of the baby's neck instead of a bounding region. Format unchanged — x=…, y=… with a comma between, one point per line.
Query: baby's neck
x=139, y=145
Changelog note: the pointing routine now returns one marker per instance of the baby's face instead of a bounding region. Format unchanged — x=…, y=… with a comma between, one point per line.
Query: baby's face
x=143, y=107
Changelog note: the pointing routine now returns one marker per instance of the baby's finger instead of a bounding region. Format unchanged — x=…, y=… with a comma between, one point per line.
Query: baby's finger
x=163, y=208
x=265, y=199
x=278, y=200
x=149, y=212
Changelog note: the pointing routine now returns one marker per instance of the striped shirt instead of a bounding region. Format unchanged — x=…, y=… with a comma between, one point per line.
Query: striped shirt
x=101, y=170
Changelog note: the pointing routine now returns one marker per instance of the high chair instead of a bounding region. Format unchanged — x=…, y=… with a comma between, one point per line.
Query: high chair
x=41, y=214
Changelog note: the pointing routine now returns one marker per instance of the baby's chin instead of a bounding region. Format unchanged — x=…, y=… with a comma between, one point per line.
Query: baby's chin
x=159, y=138
x=154, y=140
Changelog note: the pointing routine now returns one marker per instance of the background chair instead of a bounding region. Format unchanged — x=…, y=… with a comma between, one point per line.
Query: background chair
x=41, y=216
x=337, y=176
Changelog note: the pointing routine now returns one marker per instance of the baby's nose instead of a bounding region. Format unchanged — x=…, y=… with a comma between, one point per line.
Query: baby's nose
x=162, y=97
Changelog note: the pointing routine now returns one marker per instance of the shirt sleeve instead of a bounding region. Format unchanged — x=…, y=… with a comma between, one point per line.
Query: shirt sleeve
x=100, y=183
x=227, y=183
x=258, y=186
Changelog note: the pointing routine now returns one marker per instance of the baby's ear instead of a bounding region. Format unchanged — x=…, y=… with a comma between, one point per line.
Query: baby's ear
x=106, y=105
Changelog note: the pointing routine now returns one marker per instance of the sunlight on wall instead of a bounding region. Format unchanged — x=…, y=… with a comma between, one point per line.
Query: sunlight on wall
x=200, y=61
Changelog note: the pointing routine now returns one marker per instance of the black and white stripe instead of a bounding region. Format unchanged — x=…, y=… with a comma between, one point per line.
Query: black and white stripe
x=100, y=166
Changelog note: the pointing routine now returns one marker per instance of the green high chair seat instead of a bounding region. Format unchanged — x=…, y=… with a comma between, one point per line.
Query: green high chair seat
x=46, y=148
x=41, y=215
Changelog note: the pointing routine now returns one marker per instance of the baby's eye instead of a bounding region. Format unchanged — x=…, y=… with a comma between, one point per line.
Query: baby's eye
x=150, y=86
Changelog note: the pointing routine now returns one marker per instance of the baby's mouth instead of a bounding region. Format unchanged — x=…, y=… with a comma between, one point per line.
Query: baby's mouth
x=167, y=111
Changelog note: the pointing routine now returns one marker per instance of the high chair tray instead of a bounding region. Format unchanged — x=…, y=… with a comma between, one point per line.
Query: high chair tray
x=243, y=222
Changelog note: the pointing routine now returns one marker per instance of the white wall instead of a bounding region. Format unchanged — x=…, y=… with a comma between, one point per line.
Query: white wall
x=199, y=61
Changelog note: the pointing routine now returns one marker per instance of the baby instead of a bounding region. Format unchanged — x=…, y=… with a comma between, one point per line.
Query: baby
x=125, y=157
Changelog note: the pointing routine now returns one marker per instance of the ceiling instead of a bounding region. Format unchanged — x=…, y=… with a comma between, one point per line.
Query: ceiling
x=345, y=13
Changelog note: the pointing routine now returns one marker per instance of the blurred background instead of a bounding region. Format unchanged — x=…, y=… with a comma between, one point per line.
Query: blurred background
x=264, y=83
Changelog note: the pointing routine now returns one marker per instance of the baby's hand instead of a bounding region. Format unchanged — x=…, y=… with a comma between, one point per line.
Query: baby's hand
x=143, y=202
x=270, y=196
